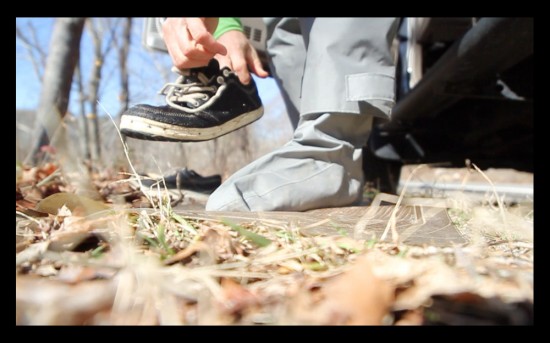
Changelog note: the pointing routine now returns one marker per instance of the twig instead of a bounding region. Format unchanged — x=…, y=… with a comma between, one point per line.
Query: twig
x=391, y=221
x=499, y=200
x=125, y=148
x=48, y=178
x=27, y=217
x=31, y=46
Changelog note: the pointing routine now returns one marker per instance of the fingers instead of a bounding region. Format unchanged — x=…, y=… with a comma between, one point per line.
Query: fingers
x=244, y=63
x=235, y=61
x=255, y=64
x=224, y=61
x=241, y=56
x=187, y=53
x=237, y=64
x=240, y=68
x=200, y=35
x=189, y=42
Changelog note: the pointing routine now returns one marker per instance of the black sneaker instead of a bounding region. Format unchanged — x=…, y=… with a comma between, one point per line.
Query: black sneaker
x=203, y=104
x=188, y=179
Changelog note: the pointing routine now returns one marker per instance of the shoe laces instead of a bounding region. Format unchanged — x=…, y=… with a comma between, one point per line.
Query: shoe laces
x=192, y=88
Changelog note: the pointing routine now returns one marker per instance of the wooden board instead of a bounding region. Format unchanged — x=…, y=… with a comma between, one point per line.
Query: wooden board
x=416, y=224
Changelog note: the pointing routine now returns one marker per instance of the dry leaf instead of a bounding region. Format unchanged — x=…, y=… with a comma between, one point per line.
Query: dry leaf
x=185, y=253
x=412, y=317
x=40, y=301
x=236, y=297
x=358, y=297
x=46, y=270
x=73, y=232
x=79, y=205
x=75, y=274
x=32, y=253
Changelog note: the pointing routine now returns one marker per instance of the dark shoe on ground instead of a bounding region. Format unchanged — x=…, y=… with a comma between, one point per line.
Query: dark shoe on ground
x=203, y=104
x=188, y=180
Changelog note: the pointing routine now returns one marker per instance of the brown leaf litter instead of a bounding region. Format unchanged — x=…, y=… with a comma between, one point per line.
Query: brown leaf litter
x=80, y=261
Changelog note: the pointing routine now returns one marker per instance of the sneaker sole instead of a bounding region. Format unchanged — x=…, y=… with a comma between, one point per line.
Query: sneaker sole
x=147, y=129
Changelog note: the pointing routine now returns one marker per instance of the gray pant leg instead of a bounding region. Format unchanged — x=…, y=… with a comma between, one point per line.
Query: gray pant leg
x=349, y=69
x=344, y=76
x=349, y=65
x=287, y=52
x=314, y=170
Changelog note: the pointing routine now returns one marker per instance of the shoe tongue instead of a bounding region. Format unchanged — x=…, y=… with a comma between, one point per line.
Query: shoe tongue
x=212, y=69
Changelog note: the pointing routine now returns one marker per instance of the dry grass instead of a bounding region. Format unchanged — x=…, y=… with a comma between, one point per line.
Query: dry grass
x=163, y=267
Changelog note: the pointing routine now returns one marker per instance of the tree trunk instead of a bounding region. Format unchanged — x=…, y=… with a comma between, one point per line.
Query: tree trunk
x=97, y=31
x=93, y=92
x=123, y=51
x=57, y=79
x=54, y=99
x=85, y=144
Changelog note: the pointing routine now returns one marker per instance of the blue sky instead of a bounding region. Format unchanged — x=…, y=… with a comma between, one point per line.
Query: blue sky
x=145, y=78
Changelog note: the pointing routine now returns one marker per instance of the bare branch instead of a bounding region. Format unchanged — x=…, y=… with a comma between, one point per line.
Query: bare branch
x=123, y=52
x=37, y=45
x=30, y=47
x=93, y=88
x=97, y=29
x=111, y=36
x=163, y=70
x=82, y=101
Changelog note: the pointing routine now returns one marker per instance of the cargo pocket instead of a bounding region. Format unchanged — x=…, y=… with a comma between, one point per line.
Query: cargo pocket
x=372, y=90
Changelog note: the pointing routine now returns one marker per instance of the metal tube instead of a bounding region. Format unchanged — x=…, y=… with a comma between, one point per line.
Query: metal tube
x=491, y=46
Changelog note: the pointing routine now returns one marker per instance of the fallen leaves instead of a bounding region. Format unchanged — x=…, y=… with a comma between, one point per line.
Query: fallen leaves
x=358, y=297
x=32, y=253
x=81, y=261
x=78, y=205
x=236, y=297
x=185, y=253
x=39, y=301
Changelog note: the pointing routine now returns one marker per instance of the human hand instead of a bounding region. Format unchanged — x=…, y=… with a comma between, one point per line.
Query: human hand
x=190, y=41
x=240, y=56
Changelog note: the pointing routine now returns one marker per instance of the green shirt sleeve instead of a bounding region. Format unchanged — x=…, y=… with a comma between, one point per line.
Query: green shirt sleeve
x=227, y=24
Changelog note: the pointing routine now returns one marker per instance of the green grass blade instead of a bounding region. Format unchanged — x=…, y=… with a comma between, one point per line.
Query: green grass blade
x=259, y=240
x=162, y=240
x=185, y=224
